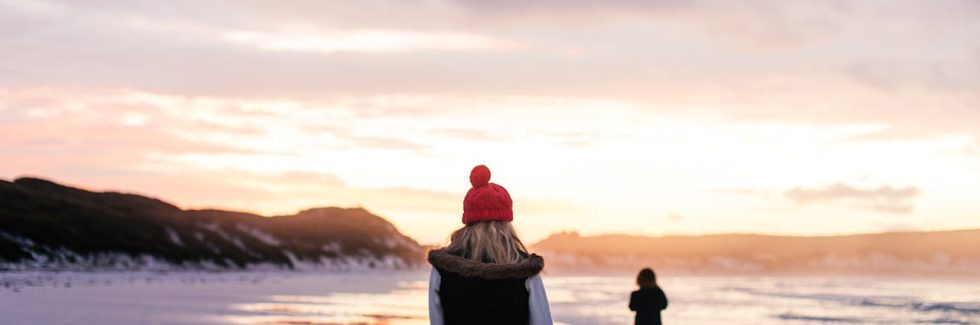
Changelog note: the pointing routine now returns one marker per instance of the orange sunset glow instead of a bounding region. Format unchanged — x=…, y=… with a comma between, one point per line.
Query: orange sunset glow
x=618, y=117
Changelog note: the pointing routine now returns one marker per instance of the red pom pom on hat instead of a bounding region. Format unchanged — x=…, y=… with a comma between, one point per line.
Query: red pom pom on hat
x=480, y=175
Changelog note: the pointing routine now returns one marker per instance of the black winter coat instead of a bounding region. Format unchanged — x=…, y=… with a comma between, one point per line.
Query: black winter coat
x=474, y=293
x=647, y=303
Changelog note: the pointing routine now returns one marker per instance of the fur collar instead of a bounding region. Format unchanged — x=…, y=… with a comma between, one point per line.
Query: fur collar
x=441, y=259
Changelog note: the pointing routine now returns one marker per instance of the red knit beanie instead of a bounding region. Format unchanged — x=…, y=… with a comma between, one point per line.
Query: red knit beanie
x=486, y=201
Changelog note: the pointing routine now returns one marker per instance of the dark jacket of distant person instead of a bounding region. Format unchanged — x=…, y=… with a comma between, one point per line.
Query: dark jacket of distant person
x=649, y=300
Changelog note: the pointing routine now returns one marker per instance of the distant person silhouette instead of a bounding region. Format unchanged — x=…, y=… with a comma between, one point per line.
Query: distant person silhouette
x=485, y=275
x=649, y=300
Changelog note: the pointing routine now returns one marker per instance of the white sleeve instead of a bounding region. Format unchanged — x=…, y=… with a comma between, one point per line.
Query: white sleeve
x=435, y=305
x=538, y=301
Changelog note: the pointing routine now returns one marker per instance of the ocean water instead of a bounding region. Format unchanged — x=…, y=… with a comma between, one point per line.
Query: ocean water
x=399, y=298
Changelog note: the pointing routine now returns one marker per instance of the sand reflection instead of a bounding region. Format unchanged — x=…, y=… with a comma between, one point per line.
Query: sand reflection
x=403, y=306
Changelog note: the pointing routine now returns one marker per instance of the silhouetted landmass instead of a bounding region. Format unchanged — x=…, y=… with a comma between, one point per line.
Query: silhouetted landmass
x=942, y=252
x=44, y=225
x=47, y=225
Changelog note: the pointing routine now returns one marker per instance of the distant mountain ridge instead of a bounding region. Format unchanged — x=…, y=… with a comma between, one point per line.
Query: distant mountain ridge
x=45, y=225
x=899, y=253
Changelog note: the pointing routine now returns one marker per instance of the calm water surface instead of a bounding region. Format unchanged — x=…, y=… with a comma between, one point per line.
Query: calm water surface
x=399, y=298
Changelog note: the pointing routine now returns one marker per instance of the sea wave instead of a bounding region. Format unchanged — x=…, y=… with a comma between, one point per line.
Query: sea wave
x=945, y=321
x=965, y=308
x=823, y=319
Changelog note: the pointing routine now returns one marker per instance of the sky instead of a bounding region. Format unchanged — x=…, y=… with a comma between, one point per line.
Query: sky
x=623, y=116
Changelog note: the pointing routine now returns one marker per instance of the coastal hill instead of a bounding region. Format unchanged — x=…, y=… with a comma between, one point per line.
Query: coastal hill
x=45, y=225
x=920, y=253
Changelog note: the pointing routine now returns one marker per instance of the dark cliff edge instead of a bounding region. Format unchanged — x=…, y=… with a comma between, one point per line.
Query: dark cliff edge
x=45, y=225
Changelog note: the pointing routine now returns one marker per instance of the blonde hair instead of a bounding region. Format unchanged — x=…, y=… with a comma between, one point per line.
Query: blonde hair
x=489, y=242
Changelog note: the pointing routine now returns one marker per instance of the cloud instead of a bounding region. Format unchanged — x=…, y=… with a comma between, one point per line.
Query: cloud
x=469, y=134
x=827, y=62
x=883, y=199
x=154, y=47
x=367, y=41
